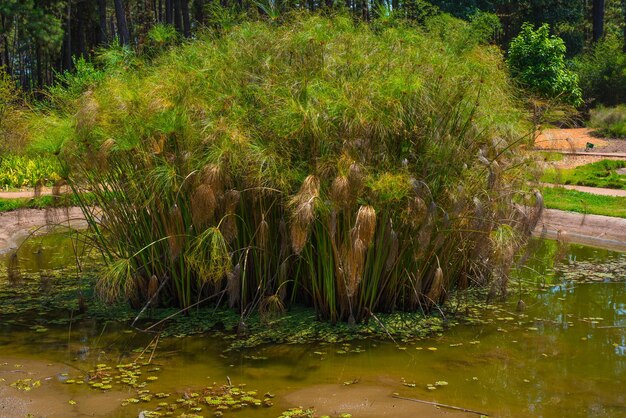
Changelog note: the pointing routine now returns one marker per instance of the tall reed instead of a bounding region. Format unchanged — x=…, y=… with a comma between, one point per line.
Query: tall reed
x=318, y=161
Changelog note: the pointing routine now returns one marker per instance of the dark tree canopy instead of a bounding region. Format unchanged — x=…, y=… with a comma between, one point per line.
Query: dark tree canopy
x=41, y=38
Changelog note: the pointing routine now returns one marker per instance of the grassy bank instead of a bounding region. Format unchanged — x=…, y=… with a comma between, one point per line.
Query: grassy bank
x=572, y=200
x=42, y=202
x=599, y=174
x=349, y=167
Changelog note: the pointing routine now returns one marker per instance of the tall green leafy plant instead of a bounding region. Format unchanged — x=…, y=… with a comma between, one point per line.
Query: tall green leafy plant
x=536, y=60
x=602, y=72
x=316, y=161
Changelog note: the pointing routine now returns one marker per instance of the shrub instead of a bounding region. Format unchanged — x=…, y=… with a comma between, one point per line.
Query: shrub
x=18, y=171
x=13, y=130
x=537, y=62
x=71, y=84
x=160, y=37
x=611, y=121
x=602, y=72
x=316, y=161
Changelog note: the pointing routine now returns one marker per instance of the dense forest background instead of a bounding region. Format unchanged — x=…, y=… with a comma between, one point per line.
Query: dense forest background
x=40, y=39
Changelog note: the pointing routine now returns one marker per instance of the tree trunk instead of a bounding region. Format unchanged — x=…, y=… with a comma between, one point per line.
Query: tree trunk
x=178, y=21
x=122, y=26
x=198, y=11
x=598, y=19
x=145, y=19
x=39, y=65
x=102, y=15
x=80, y=29
x=184, y=9
x=169, y=18
x=364, y=10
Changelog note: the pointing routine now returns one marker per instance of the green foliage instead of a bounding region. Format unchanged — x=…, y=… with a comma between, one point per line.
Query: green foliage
x=161, y=36
x=537, y=61
x=575, y=201
x=548, y=156
x=48, y=132
x=602, y=72
x=8, y=94
x=222, y=18
x=418, y=10
x=71, y=84
x=322, y=161
x=18, y=171
x=485, y=26
x=391, y=187
x=43, y=202
x=611, y=121
x=599, y=174
x=12, y=119
x=271, y=8
x=29, y=30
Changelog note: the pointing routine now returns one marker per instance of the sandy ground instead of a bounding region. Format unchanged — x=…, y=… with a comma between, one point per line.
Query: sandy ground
x=15, y=226
x=365, y=401
x=576, y=139
x=52, y=398
x=27, y=193
x=595, y=230
x=569, y=140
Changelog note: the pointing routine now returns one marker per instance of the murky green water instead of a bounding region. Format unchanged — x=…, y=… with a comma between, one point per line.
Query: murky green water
x=565, y=356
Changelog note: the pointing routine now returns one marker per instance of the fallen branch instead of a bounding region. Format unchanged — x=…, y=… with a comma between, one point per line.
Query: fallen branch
x=382, y=326
x=456, y=408
x=181, y=311
x=156, y=294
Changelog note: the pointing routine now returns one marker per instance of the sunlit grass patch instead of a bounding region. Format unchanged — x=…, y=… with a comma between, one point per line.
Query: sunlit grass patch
x=599, y=174
x=575, y=201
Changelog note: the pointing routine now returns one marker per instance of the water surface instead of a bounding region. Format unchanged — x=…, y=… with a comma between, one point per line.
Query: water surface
x=565, y=355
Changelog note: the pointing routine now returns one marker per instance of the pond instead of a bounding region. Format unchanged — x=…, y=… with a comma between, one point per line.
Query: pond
x=564, y=355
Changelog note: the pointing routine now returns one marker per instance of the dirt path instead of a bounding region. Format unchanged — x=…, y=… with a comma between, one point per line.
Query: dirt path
x=568, y=139
x=572, y=143
x=28, y=193
x=15, y=226
x=576, y=160
x=595, y=230
x=593, y=190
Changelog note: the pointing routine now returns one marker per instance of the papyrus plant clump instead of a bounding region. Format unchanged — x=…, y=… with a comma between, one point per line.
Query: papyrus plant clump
x=318, y=161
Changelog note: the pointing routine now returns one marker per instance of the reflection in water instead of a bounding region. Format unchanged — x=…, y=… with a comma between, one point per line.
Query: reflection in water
x=564, y=356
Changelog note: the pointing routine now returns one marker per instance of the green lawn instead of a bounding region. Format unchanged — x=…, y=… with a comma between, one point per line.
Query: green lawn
x=42, y=202
x=550, y=156
x=599, y=174
x=572, y=200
